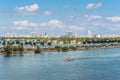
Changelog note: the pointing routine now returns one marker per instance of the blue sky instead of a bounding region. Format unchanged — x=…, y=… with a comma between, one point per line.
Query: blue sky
x=59, y=16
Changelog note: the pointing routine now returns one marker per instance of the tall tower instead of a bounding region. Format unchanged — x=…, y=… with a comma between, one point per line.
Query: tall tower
x=89, y=34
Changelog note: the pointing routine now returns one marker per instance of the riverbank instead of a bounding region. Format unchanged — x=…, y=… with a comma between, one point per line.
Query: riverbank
x=62, y=49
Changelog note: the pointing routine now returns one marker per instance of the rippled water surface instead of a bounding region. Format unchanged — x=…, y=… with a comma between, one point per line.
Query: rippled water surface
x=87, y=65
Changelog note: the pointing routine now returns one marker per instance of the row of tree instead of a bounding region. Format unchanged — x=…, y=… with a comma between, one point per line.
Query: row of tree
x=43, y=41
x=31, y=43
x=10, y=49
x=65, y=48
x=90, y=40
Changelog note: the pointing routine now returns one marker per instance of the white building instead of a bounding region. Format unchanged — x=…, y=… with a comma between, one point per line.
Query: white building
x=89, y=34
x=69, y=34
x=35, y=34
x=11, y=35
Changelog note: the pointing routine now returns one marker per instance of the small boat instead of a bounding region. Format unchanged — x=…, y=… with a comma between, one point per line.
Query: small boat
x=68, y=58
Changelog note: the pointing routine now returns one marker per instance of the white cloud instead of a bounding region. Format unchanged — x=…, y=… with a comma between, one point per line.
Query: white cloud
x=53, y=24
x=24, y=24
x=56, y=23
x=74, y=27
x=93, y=5
x=70, y=18
x=29, y=8
x=114, y=19
x=47, y=13
x=92, y=17
x=43, y=24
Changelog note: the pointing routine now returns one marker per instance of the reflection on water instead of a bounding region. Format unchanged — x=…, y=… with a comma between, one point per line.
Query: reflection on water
x=87, y=65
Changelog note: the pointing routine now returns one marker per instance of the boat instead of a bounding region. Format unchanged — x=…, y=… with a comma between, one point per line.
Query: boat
x=68, y=58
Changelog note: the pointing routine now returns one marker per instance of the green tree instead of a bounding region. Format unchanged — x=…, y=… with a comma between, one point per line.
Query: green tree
x=72, y=47
x=58, y=48
x=65, y=49
x=49, y=43
x=8, y=50
x=21, y=49
x=37, y=51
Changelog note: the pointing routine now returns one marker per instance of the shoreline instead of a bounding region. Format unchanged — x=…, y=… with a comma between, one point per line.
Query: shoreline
x=43, y=50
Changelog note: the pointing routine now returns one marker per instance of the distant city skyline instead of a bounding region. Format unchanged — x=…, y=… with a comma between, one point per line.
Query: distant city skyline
x=56, y=17
x=64, y=35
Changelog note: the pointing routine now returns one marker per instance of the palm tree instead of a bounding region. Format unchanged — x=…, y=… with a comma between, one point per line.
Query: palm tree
x=38, y=50
x=20, y=49
x=49, y=44
x=14, y=48
x=8, y=50
x=4, y=42
x=17, y=42
x=42, y=43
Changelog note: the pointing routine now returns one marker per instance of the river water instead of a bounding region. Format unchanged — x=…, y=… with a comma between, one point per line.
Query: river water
x=87, y=65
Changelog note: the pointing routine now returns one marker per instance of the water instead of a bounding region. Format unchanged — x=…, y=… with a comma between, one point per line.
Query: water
x=88, y=65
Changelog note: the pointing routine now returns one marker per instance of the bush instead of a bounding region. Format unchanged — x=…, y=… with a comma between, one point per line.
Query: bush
x=65, y=49
x=21, y=49
x=7, y=50
x=14, y=48
x=58, y=48
x=49, y=43
x=72, y=47
x=37, y=51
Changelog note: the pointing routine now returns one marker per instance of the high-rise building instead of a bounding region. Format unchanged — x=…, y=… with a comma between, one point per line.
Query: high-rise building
x=89, y=34
x=69, y=34
x=36, y=34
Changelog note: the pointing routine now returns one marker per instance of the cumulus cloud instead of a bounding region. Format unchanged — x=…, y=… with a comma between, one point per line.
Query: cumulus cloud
x=74, y=27
x=92, y=17
x=43, y=24
x=97, y=24
x=29, y=8
x=47, y=13
x=114, y=19
x=54, y=24
x=24, y=24
x=93, y=5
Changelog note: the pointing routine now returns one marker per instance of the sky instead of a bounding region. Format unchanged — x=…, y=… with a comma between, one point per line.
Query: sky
x=56, y=17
